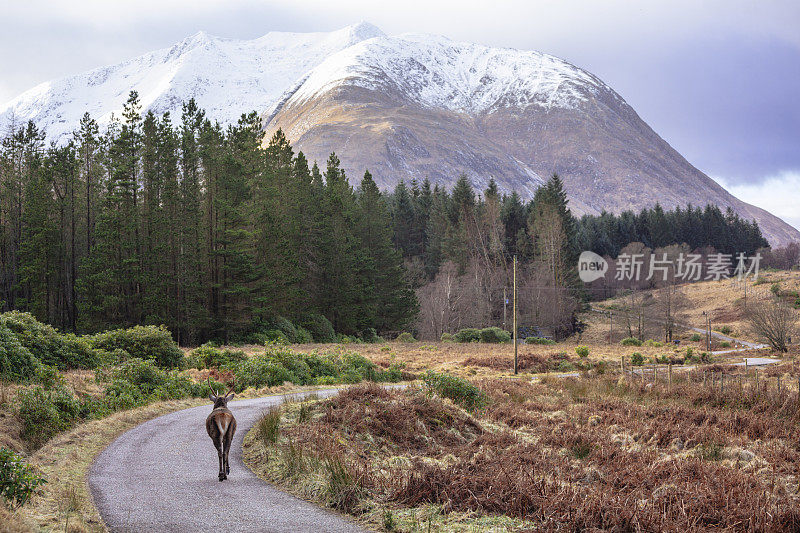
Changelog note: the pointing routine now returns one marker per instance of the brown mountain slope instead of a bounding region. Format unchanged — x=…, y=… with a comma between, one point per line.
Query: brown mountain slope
x=384, y=111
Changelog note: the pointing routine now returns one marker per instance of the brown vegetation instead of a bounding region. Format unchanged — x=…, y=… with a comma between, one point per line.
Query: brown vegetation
x=570, y=454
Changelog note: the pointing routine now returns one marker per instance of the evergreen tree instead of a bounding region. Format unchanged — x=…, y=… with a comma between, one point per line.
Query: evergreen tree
x=389, y=300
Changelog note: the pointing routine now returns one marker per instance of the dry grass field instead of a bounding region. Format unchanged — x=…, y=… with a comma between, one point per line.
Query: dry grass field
x=725, y=301
x=560, y=455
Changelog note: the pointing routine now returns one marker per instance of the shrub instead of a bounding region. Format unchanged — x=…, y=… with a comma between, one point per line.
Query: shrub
x=393, y=374
x=47, y=344
x=44, y=413
x=630, y=341
x=320, y=327
x=303, y=336
x=322, y=366
x=725, y=330
x=143, y=342
x=539, y=340
x=696, y=337
x=653, y=343
x=278, y=364
x=725, y=344
x=261, y=370
x=582, y=351
x=137, y=382
x=565, y=366
x=285, y=326
x=775, y=288
x=17, y=363
x=447, y=337
x=468, y=335
x=208, y=356
x=18, y=480
x=405, y=337
x=48, y=377
x=370, y=336
x=455, y=388
x=637, y=359
x=494, y=335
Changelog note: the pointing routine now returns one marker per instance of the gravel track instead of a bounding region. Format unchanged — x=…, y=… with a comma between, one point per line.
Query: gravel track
x=162, y=476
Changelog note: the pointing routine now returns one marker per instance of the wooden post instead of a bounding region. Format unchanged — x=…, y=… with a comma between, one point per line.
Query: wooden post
x=622, y=364
x=515, y=315
x=670, y=375
x=655, y=373
x=756, y=380
x=722, y=383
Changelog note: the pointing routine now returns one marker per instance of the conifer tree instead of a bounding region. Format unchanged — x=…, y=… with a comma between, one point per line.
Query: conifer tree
x=389, y=300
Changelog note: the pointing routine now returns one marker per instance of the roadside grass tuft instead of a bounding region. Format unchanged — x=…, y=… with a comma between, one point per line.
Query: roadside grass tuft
x=268, y=425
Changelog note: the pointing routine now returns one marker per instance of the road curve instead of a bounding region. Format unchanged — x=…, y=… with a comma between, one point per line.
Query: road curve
x=162, y=476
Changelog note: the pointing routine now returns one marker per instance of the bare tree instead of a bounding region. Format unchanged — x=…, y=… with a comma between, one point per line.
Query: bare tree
x=775, y=321
x=439, y=303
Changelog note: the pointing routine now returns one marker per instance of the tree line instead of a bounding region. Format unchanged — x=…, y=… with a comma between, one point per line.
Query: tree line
x=606, y=234
x=202, y=228
x=193, y=226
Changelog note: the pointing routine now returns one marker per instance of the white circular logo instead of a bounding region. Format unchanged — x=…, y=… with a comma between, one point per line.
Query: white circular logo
x=591, y=267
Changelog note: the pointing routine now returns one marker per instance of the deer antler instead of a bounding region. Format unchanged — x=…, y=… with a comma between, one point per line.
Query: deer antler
x=210, y=386
x=232, y=386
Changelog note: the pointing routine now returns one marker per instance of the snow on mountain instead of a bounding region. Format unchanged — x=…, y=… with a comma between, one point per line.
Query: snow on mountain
x=436, y=72
x=406, y=107
x=227, y=77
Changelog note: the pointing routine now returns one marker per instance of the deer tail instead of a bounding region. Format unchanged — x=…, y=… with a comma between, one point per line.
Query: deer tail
x=222, y=425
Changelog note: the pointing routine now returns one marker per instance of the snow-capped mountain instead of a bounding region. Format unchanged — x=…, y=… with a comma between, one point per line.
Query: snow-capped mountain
x=227, y=77
x=408, y=107
x=436, y=72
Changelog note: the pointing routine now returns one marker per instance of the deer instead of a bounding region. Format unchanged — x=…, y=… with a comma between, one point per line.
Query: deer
x=221, y=425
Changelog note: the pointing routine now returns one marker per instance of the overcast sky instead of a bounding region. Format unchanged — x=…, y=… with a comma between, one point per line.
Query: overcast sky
x=718, y=79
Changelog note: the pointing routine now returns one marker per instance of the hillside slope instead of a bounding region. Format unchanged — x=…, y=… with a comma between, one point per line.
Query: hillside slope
x=423, y=106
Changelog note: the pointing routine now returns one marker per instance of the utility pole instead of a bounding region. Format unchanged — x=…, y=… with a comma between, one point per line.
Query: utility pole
x=515, y=314
x=610, y=326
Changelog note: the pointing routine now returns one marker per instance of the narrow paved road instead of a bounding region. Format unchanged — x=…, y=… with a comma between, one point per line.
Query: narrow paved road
x=162, y=476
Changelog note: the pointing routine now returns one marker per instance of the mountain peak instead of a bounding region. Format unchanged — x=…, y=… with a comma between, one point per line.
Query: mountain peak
x=363, y=30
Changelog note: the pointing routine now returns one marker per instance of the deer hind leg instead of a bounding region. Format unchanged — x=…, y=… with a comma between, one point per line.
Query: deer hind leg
x=221, y=456
x=226, y=450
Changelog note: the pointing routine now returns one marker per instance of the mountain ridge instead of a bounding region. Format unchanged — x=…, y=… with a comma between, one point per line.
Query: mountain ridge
x=409, y=106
